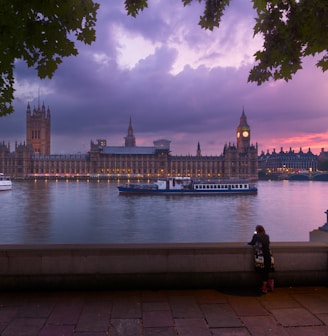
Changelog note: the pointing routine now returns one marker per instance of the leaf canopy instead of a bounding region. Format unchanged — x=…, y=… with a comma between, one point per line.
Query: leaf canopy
x=41, y=33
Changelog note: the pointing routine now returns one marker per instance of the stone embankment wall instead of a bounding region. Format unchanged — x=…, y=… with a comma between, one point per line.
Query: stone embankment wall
x=156, y=266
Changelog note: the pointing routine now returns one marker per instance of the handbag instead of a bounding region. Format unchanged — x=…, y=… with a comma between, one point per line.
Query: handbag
x=259, y=258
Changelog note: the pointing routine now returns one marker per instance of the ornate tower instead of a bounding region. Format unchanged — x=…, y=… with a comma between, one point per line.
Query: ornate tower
x=38, y=129
x=130, y=140
x=198, y=151
x=243, y=134
x=241, y=161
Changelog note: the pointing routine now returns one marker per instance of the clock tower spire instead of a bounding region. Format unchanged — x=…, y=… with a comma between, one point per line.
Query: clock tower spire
x=243, y=134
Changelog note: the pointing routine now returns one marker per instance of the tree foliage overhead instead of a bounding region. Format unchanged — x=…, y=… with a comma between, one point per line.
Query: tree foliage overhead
x=40, y=33
x=291, y=30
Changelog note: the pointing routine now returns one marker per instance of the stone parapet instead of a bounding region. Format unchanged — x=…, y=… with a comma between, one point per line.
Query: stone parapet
x=156, y=266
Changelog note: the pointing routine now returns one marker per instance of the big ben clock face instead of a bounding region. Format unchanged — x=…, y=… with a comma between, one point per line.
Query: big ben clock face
x=238, y=134
x=245, y=134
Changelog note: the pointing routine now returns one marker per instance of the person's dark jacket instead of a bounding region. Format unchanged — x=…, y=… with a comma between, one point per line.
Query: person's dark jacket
x=264, y=241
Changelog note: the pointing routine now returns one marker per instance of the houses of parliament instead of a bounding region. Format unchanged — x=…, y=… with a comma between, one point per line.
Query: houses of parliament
x=33, y=158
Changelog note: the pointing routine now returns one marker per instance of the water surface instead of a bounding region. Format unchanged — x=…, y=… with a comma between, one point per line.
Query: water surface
x=94, y=212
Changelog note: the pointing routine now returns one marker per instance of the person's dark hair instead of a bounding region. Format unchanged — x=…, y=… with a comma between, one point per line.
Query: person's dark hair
x=260, y=229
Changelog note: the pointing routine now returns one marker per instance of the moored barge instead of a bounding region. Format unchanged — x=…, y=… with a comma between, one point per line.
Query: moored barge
x=188, y=186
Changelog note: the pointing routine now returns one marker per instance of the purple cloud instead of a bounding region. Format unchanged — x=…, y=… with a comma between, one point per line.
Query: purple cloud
x=178, y=82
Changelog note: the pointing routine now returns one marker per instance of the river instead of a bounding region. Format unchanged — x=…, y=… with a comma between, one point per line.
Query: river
x=38, y=212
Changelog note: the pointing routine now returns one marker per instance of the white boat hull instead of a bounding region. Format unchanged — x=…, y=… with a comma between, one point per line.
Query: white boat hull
x=5, y=182
x=5, y=187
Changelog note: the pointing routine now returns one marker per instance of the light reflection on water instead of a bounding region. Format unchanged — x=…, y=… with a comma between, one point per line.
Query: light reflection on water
x=93, y=212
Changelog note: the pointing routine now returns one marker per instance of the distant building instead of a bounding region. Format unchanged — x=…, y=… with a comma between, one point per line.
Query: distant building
x=289, y=161
x=323, y=160
x=33, y=158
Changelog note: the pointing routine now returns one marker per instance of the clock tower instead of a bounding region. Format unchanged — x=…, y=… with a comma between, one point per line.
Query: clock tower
x=243, y=134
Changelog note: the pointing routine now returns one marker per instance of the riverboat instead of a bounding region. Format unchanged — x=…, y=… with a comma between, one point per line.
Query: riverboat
x=5, y=182
x=188, y=186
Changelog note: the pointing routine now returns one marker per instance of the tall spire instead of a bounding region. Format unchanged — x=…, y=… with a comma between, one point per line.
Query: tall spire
x=130, y=140
x=243, y=119
x=130, y=129
x=28, y=109
x=38, y=98
x=243, y=133
x=198, y=151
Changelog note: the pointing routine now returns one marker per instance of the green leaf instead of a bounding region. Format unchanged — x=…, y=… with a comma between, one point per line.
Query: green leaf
x=41, y=33
x=259, y=5
x=133, y=7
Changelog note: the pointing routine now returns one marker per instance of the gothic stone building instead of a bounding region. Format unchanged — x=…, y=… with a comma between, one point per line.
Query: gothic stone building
x=287, y=161
x=33, y=158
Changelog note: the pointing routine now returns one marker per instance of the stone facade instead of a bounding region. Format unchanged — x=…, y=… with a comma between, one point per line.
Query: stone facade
x=38, y=124
x=288, y=161
x=33, y=159
x=323, y=160
x=158, y=266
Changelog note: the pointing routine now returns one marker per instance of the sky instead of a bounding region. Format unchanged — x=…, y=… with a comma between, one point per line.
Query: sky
x=175, y=81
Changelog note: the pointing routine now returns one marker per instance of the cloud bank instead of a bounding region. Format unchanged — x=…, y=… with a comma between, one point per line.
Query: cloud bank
x=176, y=81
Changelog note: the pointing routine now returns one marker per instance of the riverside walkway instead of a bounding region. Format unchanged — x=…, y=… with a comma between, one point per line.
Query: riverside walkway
x=292, y=311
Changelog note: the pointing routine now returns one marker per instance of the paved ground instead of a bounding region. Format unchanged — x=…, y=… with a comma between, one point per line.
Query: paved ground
x=300, y=311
